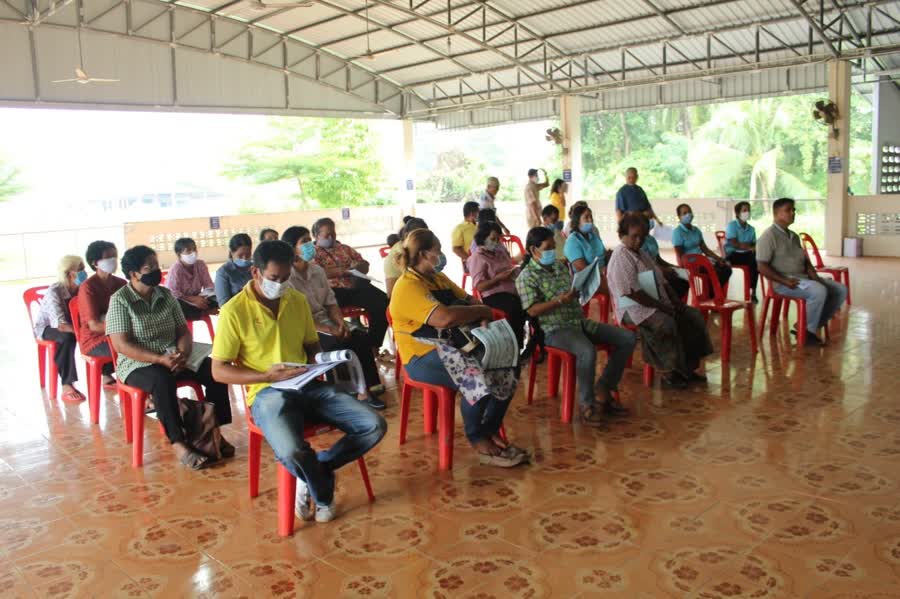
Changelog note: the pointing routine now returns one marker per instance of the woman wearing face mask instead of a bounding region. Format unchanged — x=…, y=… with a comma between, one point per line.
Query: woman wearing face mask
x=673, y=335
x=415, y=303
x=190, y=283
x=688, y=239
x=234, y=274
x=493, y=275
x=54, y=323
x=147, y=327
x=584, y=244
x=93, y=301
x=740, y=243
x=545, y=289
x=309, y=278
x=338, y=260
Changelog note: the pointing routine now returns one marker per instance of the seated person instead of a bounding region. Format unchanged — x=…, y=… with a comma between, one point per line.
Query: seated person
x=268, y=235
x=392, y=240
x=558, y=195
x=262, y=328
x=782, y=260
x=681, y=286
x=190, y=283
x=338, y=259
x=464, y=232
x=493, y=275
x=488, y=200
x=392, y=269
x=93, y=302
x=545, y=288
x=584, y=245
x=234, y=274
x=54, y=323
x=740, y=243
x=309, y=279
x=147, y=327
x=673, y=335
x=688, y=239
x=550, y=216
x=414, y=304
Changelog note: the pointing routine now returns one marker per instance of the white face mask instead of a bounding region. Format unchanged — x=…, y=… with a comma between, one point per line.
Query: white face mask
x=189, y=259
x=107, y=265
x=744, y=216
x=273, y=289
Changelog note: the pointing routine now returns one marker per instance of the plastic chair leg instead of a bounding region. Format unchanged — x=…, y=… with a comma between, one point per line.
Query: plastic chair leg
x=94, y=390
x=754, y=346
x=54, y=373
x=532, y=374
x=125, y=403
x=801, y=324
x=553, y=366
x=776, y=315
x=255, y=451
x=568, y=401
x=137, y=423
x=42, y=365
x=430, y=411
x=287, y=492
x=725, y=350
x=446, y=427
x=649, y=373
x=846, y=276
x=762, y=324
x=364, y=472
x=404, y=411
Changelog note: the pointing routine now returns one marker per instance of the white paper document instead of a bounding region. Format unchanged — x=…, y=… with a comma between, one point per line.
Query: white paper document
x=803, y=283
x=662, y=233
x=501, y=350
x=587, y=281
x=199, y=352
x=647, y=283
x=324, y=362
x=362, y=275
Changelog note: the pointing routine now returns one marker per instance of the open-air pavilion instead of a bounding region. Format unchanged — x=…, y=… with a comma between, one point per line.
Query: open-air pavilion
x=776, y=479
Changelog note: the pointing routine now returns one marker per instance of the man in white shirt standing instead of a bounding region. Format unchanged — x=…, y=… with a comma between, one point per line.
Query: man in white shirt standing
x=487, y=200
x=533, y=197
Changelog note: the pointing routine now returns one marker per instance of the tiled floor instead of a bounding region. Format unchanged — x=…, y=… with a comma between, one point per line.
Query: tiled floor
x=780, y=478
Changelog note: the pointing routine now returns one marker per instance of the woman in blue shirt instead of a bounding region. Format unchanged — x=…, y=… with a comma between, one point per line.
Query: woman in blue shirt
x=234, y=274
x=688, y=239
x=584, y=244
x=740, y=243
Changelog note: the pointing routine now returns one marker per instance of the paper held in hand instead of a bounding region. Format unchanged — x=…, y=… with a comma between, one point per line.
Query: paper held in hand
x=199, y=352
x=501, y=350
x=324, y=361
x=362, y=275
x=647, y=283
x=587, y=281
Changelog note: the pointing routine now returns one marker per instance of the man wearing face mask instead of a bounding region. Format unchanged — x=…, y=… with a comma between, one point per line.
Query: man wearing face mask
x=262, y=331
x=688, y=239
x=93, y=301
x=740, y=243
x=550, y=217
x=190, y=283
x=309, y=278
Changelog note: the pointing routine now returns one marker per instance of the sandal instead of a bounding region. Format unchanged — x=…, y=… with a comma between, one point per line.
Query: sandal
x=72, y=396
x=505, y=459
x=194, y=460
x=593, y=416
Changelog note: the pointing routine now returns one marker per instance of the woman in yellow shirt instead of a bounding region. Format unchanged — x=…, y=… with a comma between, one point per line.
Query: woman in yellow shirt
x=558, y=195
x=425, y=299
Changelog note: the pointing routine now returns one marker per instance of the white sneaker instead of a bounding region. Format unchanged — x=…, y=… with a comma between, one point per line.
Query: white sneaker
x=326, y=513
x=302, y=505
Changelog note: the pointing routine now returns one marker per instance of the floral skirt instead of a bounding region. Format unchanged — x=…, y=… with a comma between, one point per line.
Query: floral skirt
x=472, y=380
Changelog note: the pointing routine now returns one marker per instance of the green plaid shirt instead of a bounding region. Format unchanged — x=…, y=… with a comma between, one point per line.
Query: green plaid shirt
x=537, y=284
x=150, y=325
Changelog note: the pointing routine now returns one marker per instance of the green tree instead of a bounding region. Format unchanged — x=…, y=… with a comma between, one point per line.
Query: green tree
x=333, y=161
x=10, y=181
x=455, y=177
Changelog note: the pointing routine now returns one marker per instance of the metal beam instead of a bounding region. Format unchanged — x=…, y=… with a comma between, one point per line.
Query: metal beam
x=817, y=27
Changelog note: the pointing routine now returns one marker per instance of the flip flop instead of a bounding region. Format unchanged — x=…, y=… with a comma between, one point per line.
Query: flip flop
x=194, y=460
x=501, y=461
x=72, y=397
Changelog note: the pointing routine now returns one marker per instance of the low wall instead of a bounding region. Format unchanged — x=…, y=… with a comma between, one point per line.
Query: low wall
x=875, y=220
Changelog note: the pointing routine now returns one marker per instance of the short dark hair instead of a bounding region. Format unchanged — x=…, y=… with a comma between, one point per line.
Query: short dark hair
x=679, y=207
x=532, y=172
x=183, y=243
x=488, y=215
x=411, y=225
x=392, y=239
x=484, y=231
x=95, y=251
x=293, y=234
x=470, y=208
x=266, y=231
x=631, y=220
x=549, y=210
x=278, y=252
x=133, y=259
x=535, y=238
x=738, y=206
x=321, y=223
x=407, y=218
x=577, y=213
x=781, y=203
x=557, y=184
x=239, y=240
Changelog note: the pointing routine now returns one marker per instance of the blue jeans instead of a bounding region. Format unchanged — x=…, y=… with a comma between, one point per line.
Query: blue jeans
x=582, y=341
x=282, y=415
x=823, y=300
x=480, y=421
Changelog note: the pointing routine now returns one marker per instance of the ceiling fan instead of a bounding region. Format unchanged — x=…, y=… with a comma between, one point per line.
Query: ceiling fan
x=369, y=53
x=80, y=75
x=260, y=5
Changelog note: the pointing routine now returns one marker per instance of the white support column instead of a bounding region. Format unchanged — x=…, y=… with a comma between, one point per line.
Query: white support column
x=839, y=149
x=408, y=202
x=570, y=124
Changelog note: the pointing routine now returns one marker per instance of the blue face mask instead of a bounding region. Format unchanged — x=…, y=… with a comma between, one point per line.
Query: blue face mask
x=557, y=226
x=652, y=223
x=586, y=228
x=308, y=251
x=442, y=263
x=241, y=263
x=687, y=218
x=81, y=277
x=548, y=257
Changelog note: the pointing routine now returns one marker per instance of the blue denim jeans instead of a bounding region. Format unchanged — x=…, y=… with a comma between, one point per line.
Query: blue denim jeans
x=282, y=415
x=823, y=300
x=480, y=421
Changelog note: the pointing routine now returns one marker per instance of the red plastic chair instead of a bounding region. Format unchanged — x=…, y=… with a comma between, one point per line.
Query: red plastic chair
x=190, y=323
x=841, y=274
x=602, y=301
x=700, y=267
x=511, y=241
x=46, y=350
x=93, y=364
x=649, y=372
x=720, y=237
x=776, y=299
x=134, y=406
x=384, y=250
x=287, y=484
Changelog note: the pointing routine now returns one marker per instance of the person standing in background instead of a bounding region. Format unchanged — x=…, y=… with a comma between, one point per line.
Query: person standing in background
x=558, y=192
x=631, y=197
x=488, y=197
x=533, y=197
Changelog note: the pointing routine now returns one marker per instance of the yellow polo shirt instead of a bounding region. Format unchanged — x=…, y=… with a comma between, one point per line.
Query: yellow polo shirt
x=248, y=332
x=411, y=305
x=462, y=235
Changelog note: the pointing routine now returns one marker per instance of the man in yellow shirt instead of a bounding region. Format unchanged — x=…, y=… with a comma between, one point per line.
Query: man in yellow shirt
x=263, y=333
x=463, y=234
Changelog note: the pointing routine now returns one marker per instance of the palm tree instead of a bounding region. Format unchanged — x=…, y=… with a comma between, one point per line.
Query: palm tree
x=10, y=183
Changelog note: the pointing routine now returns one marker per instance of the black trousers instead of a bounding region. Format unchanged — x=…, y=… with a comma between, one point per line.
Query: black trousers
x=747, y=259
x=372, y=300
x=192, y=312
x=512, y=305
x=65, y=354
x=680, y=286
x=359, y=344
x=102, y=351
x=160, y=382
